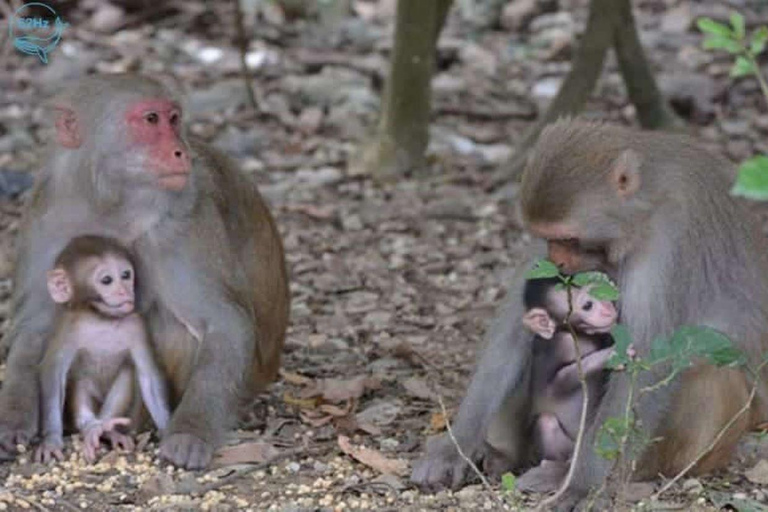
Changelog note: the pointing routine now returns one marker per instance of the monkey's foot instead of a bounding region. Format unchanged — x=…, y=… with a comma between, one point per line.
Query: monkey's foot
x=546, y=477
x=93, y=431
x=186, y=451
x=49, y=450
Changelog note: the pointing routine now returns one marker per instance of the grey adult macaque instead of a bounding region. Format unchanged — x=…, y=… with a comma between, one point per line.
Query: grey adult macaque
x=214, y=283
x=98, y=353
x=557, y=395
x=654, y=211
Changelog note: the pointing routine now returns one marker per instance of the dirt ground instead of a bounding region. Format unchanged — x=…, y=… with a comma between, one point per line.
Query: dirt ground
x=393, y=285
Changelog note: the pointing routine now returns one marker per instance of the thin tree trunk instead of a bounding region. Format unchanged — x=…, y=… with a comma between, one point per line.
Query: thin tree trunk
x=651, y=107
x=403, y=132
x=578, y=85
x=610, y=23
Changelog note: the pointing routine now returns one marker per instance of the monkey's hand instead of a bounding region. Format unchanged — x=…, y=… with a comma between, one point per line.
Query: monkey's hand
x=186, y=451
x=441, y=466
x=50, y=449
x=94, y=430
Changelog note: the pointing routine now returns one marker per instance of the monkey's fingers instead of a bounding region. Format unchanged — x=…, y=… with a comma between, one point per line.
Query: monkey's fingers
x=120, y=441
x=89, y=451
x=46, y=454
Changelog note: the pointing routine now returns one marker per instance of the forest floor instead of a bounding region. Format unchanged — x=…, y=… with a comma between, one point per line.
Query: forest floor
x=393, y=285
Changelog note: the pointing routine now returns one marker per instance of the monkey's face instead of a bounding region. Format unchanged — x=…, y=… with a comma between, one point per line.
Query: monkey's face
x=590, y=315
x=112, y=280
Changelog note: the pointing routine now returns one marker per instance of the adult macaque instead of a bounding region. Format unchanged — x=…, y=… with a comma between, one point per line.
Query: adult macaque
x=654, y=210
x=557, y=395
x=98, y=352
x=210, y=260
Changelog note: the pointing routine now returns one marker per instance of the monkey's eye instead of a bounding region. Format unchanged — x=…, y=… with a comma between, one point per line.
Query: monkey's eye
x=587, y=306
x=106, y=280
x=125, y=275
x=152, y=118
x=174, y=119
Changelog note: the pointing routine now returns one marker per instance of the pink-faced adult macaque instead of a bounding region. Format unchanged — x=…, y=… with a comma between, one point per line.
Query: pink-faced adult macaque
x=214, y=285
x=557, y=395
x=98, y=352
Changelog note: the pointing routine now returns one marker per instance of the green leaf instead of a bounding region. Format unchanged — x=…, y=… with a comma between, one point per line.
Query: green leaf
x=608, y=441
x=752, y=181
x=601, y=287
x=542, y=270
x=742, y=67
x=621, y=341
x=722, y=43
x=605, y=291
x=508, y=482
x=710, y=26
x=587, y=278
x=737, y=22
x=759, y=38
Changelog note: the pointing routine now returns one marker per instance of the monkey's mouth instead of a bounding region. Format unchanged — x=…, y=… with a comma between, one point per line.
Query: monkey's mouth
x=122, y=308
x=173, y=181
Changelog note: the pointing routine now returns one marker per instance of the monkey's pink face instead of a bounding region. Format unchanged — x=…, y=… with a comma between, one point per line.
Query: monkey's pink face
x=113, y=282
x=155, y=126
x=591, y=315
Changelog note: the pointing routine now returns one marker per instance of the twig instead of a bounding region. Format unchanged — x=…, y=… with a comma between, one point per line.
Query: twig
x=242, y=43
x=466, y=459
x=582, y=420
x=719, y=435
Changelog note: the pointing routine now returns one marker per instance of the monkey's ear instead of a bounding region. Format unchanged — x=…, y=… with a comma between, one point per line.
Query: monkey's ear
x=625, y=175
x=59, y=286
x=67, y=127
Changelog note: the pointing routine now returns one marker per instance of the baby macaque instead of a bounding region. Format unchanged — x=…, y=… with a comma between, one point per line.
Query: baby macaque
x=557, y=393
x=98, y=351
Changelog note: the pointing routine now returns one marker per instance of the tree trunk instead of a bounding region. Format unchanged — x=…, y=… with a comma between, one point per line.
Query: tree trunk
x=403, y=131
x=610, y=23
x=578, y=85
x=651, y=107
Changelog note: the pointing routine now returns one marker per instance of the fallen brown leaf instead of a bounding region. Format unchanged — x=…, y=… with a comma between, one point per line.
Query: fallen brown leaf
x=373, y=458
x=437, y=422
x=245, y=453
x=295, y=378
x=303, y=403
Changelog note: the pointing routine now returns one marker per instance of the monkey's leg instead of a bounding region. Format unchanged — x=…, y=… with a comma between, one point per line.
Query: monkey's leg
x=555, y=443
x=721, y=392
x=116, y=405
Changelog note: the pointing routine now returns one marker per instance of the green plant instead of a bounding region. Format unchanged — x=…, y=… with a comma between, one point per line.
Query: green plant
x=752, y=179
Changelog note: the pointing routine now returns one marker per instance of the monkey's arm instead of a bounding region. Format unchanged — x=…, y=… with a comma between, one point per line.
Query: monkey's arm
x=33, y=314
x=151, y=382
x=500, y=373
x=567, y=379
